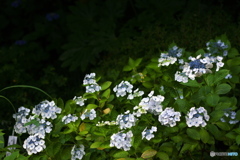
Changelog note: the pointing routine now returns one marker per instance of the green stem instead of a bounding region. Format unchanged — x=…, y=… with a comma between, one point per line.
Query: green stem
x=26, y=86
x=9, y=102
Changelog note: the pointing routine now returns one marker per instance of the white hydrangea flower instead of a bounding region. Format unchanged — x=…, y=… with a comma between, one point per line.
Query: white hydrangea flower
x=69, y=118
x=139, y=111
x=136, y=93
x=123, y=88
x=21, y=120
x=171, y=57
x=79, y=100
x=148, y=133
x=181, y=77
x=122, y=140
x=152, y=103
x=34, y=144
x=77, y=152
x=89, y=79
x=91, y=114
x=93, y=88
x=229, y=76
x=169, y=117
x=126, y=120
x=217, y=48
x=46, y=109
x=41, y=128
x=197, y=117
x=103, y=123
x=230, y=116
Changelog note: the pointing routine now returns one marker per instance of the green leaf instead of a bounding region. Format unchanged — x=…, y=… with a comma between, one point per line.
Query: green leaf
x=212, y=99
x=60, y=103
x=220, y=75
x=231, y=135
x=216, y=115
x=223, y=88
x=209, y=79
x=121, y=154
x=131, y=63
x=163, y=156
x=177, y=139
x=200, y=51
x=204, y=135
x=106, y=85
x=91, y=106
x=127, y=68
x=238, y=115
x=96, y=144
x=149, y=153
x=147, y=84
x=138, y=61
x=233, y=52
x=224, y=126
x=234, y=62
x=238, y=139
x=106, y=93
x=193, y=133
x=153, y=65
x=13, y=156
x=214, y=130
x=192, y=83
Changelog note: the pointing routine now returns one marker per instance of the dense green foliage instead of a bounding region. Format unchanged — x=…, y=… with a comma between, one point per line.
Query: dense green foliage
x=55, y=53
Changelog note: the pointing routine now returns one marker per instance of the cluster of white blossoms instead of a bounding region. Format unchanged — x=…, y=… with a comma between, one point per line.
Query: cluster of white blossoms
x=69, y=118
x=79, y=100
x=77, y=152
x=122, y=140
x=230, y=117
x=104, y=123
x=169, y=117
x=196, y=117
x=46, y=109
x=170, y=57
x=91, y=84
x=41, y=128
x=136, y=93
x=152, y=103
x=197, y=67
x=36, y=125
x=21, y=120
x=91, y=114
x=123, y=88
x=217, y=47
x=126, y=120
x=148, y=133
x=34, y=144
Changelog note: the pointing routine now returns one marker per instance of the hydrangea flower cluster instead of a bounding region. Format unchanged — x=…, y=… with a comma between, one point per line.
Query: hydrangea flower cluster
x=34, y=144
x=21, y=120
x=79, y=100
x=121, y=140
x=136, y=93
x=104, y=123
x=126, y=120
x=196, y=117
x=47, y=109
x=152, y=103
x=217, y=47
x=69, y=118
x=148, y=133
x=169, y=117
x=171, y=57
x=229, y=76
x=91, y=84
x=91, y=114
x=123, y=88
x=41, y=128
x=77, y=152
x=230, y=117
x=36, y=127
